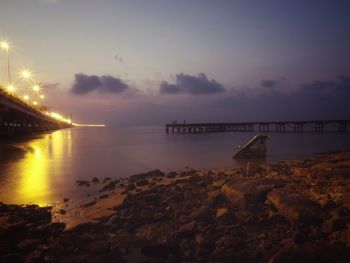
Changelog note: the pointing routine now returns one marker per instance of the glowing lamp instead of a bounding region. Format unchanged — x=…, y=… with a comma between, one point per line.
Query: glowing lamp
x=11, y=88
x=26, y=74
x=5, y=45
x=36, y=88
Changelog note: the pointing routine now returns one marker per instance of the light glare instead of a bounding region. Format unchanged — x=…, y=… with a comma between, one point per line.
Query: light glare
x=36, y=88
x=5, y=45
x=26, y=74
x=10, y=88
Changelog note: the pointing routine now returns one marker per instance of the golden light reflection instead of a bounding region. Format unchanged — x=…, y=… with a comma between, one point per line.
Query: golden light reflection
x=34, y=186
x=42, y=166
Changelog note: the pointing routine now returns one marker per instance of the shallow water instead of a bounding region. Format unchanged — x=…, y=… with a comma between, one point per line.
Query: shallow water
x=43, y=169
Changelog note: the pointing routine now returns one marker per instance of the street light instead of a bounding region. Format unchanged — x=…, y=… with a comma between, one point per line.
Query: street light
x=10, y=88
x=36, y=88
x=26, y=74
x=6, y=46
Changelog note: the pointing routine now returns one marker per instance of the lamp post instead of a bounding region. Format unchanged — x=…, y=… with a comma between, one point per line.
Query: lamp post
x=6, y=46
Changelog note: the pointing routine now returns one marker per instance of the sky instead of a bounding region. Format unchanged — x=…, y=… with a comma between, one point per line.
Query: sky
x=137, y=62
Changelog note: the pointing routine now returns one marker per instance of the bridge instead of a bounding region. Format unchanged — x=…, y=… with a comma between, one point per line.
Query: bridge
x=318, y=126
x=18, y=117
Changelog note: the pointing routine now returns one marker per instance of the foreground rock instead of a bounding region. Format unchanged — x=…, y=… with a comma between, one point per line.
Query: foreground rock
x=292, y=211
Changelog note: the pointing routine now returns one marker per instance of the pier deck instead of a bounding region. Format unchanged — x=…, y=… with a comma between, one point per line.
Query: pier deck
x=318, y=126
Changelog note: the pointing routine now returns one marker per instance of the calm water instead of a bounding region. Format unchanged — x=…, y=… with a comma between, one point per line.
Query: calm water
x=47, y=169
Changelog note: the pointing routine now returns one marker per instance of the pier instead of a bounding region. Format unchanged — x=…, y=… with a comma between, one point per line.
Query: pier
x=317, y=126
x=18, y=117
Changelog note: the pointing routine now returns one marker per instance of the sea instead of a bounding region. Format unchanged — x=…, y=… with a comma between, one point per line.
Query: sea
x=42, y=169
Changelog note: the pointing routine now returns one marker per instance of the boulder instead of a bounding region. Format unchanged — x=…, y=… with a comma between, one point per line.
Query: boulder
x=221, y=212
x=295, y=207
x=142, y=182
x=249, y=193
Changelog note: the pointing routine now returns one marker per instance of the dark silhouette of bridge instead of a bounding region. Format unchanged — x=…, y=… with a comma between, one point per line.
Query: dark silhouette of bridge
x=318, y=126
x=18, y=117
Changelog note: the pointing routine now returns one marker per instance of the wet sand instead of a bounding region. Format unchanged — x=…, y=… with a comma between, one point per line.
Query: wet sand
x=287, y=211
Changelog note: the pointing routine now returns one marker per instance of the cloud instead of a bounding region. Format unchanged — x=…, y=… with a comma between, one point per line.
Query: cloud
x=84, y=84
x=192, y=85
x=166, y=88
x=268, y=83
x=319, y=99
x=342, y=85
x=112, y=85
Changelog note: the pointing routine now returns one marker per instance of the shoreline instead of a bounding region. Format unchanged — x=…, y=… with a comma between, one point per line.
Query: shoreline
x=283, y=211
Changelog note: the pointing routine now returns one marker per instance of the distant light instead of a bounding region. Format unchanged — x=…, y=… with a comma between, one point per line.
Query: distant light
x=89, y=125
x=42, y=96
x=36, y=88
x=5, y=45
x=35, y=103
x=26, y=74
x=10, y=88
x=26, y=97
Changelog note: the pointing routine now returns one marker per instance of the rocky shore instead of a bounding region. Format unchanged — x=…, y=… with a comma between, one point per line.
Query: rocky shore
x=289, y=211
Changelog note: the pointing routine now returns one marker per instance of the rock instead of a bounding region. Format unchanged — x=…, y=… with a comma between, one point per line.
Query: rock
x=131, y=187
x=199, y=238
x=252, y=169
x=299, y=171
x=345, y=199
x=249, y=193
x=221, y=211
x=103, y=196
x=219, y=182
x=34, y=257
x=97, y=247
x=311, y=253
x=28, y=244
x=82, y=183
x=110, y=186
x=187, y=230
x=335, y=223
x=62, y=211
x=142, y=182
x=106, y=179
x=171, y=175
x=300, y=235
x=88, y=204
x=95, y=180
x=295, y=207
x=154, y=173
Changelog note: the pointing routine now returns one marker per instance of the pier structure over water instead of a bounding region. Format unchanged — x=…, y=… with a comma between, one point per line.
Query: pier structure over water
x=18, y=117
x=318, y=126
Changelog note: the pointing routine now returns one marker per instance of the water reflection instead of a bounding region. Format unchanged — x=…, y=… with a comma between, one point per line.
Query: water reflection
x=36, y=170
x=34, y=182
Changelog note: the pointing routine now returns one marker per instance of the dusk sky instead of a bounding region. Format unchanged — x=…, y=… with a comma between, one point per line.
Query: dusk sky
x=149, y=62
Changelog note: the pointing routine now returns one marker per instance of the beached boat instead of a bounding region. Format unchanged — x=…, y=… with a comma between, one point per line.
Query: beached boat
x=255, y=148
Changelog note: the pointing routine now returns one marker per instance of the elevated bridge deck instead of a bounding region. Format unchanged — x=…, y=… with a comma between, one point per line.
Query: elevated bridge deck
x=17, y=117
